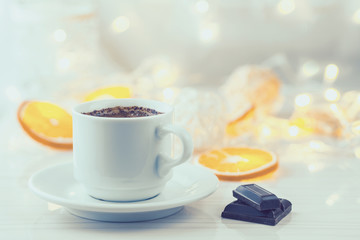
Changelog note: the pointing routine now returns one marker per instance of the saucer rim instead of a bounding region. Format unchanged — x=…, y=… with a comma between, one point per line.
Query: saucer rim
x=125, y=216
x=121, y=207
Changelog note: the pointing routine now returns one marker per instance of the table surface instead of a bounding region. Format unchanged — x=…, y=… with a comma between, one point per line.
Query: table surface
x=323, y=188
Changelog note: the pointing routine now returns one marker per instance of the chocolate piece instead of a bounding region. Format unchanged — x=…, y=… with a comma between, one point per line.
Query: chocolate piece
x=239, y=210
x=256, y=197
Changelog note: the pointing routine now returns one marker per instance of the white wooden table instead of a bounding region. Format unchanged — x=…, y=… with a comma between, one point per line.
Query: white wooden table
x=323, y=188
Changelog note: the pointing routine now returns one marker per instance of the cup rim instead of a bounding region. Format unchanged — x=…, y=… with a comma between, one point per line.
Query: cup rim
x=77, y=112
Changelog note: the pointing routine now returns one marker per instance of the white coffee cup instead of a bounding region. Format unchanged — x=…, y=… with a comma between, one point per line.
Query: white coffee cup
x=126, y=159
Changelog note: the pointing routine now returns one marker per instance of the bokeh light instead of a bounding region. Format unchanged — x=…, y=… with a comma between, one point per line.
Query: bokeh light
x=332, y=95
x=331, y=73
x=120, y=24
x=209, y=32
x=59, y=35
x=310, y=68
x=286, y=6
x=202, y=6
x=356, y=17
x=265, y=131
x=293, y=131
x=303, y=100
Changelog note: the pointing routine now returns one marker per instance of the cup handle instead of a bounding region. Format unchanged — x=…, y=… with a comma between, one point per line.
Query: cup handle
x=165, y=162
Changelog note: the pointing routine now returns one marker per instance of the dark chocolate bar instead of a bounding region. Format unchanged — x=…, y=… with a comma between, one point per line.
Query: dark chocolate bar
x=256, y=197
x=239, y=210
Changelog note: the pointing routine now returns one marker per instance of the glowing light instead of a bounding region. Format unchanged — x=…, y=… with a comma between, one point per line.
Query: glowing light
x=303, y=100
x=202, y=6
x=355, y=127
x=209, y=33
x=331, y=73
x=168, y=94
x=265, y=131
x=293, y=131
x=63, y=63
x=357, y=152
x=332, y=199
x=13, y=94
x=120, y=24
x=315, y=167
x=53, y=207
x=310, y=68
x=165, y=74
x=356, y=17
x=316, y=145
x=161, y=72
x=59, y=35
x=312, y=168
x=286, y=6
x=337, y=112
x=334, y=108
x=332, y=95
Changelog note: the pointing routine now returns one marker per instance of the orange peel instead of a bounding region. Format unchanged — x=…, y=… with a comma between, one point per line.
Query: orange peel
x=46, y=123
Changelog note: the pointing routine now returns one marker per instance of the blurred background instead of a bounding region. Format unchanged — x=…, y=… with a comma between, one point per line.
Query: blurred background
x=60, y=50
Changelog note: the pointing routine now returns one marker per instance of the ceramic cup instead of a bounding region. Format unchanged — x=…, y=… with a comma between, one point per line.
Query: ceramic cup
x=126, y=159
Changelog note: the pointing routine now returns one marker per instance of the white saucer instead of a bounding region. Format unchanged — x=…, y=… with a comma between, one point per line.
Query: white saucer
x=57, y=185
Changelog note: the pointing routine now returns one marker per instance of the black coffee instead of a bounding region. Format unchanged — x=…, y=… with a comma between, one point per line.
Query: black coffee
x=124, y=112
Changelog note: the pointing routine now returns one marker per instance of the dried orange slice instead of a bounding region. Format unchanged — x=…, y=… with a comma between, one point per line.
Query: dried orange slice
x=109, y=92
x=46, y=123
x=236, y=163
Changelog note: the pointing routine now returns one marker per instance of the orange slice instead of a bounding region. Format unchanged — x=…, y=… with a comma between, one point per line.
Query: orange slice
x=241, y=124
x=238, y=163
x=109, y=92
x=46, y=123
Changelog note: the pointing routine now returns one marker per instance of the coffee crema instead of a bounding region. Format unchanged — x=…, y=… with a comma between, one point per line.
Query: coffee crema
x=123, y=112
